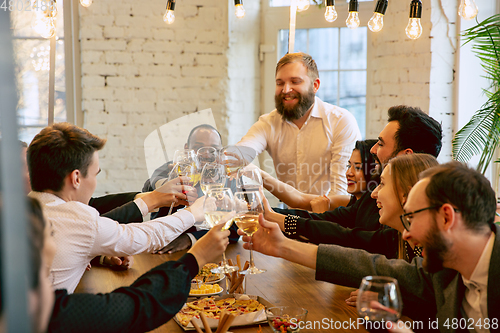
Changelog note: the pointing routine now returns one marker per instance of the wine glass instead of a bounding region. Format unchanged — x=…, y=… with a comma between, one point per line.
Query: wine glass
x=249, y=179
x=212, y=176
x=379, y=301
x=232, y=158
x=219, y=206
x=180, y=170
x=248, y=207
x=185, y=156
x=207, y=155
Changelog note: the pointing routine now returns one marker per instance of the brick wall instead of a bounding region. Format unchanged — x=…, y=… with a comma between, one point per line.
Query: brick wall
x=139, y=73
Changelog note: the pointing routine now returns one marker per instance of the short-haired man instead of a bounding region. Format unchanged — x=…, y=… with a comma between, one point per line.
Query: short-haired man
x=310, y=141
x=63, y=163
x=409, y=130
x=450, y=212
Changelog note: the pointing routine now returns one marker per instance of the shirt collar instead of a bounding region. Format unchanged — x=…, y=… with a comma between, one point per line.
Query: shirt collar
x=479, y=276
x=315, y=112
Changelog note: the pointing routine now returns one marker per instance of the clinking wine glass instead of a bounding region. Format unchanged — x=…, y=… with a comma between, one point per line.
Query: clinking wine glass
x=207, y=155
x=248, y=179
x=232, y=158
x=379, y=301
x=219, y=206
x=248, y=207
x=213, y=176
x=186, y=170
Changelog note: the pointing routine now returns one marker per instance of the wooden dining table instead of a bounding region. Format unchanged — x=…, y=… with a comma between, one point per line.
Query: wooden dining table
x=284, y=283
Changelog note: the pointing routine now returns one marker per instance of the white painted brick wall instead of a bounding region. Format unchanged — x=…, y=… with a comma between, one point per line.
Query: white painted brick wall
x=139, y=73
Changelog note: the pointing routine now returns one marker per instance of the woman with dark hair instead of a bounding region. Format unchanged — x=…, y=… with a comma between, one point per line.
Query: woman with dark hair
x=361, y=176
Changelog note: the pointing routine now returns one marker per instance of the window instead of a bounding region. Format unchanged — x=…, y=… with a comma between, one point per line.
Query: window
x=31, y=53
x=340, y=54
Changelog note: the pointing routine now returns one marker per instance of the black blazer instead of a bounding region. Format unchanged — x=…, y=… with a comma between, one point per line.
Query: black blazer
x=119, y=207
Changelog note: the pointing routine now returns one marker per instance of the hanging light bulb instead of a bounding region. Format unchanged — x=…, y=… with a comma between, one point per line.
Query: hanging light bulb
x=86, y=3
x=302, y=5
x=169, y=16
x=376, y=23
x=414, y=28
x=330, y=12
x=352, y=21
x=239, y=11
x=44, y=25
x=467, y=9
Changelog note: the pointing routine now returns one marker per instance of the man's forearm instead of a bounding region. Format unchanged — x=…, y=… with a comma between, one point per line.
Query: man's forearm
x=300, y=253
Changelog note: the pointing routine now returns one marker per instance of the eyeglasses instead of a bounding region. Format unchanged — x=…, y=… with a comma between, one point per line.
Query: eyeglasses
x=406, y=218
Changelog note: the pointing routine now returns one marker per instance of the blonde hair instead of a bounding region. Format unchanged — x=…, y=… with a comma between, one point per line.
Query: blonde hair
x=405, y=170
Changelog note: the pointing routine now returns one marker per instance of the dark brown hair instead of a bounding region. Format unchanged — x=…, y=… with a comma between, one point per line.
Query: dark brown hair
x=304, y=58
x=417, y=130
x=464, y=188
x=57, y=151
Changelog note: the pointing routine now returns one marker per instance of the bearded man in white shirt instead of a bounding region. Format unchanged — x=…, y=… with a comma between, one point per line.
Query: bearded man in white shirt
x=63, y=163
x=310, y=141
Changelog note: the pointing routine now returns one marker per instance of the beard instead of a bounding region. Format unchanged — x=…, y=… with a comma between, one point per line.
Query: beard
x=291, y=113
x=436, y=248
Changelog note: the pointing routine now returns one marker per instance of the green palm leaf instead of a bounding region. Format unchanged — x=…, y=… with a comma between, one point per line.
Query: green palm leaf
x=481, y=135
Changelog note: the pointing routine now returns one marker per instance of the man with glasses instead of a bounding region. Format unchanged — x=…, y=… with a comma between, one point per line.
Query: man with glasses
x=450, y=213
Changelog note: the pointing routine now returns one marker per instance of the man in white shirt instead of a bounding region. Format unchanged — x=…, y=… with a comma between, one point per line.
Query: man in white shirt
x=310, y=141
x=63, y=163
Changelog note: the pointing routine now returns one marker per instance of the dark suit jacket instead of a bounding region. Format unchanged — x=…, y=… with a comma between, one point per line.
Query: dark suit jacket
x=119, y=207
x=362, y=214
x=152, y=300
x=426, y=296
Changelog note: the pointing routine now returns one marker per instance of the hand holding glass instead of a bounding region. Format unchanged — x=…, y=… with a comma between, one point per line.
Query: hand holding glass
x=219, y=206
x=379, y=299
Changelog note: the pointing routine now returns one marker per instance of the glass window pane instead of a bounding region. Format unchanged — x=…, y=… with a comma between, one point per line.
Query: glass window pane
x=282, y=3
x=328, y=87
x=22, y=17
x=301, y=44
x=324, y=47
x=32, y=74
x=353, y=95
x=353, y=48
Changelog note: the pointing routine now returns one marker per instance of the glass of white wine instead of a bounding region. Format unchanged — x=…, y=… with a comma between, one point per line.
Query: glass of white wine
x=248, y=207
x=186, y=170
x=212, y=176
x=232, y=158
x=219, y=206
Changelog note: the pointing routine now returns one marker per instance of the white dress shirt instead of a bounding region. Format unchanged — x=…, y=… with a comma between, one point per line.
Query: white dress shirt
x=314, y=157
x=81, y=234
x=475, y=302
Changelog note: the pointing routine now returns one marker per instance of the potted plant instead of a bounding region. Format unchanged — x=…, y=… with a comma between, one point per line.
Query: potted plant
x=481, y=135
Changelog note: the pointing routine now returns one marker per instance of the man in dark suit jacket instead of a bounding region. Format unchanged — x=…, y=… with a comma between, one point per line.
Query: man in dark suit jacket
x=450, y=213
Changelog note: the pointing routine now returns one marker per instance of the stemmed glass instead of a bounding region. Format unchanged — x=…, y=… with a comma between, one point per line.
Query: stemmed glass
x=219, y=206
x=212, y=176
x=379, y=300
x=187, y=170
x=248, y=207
x=233, y=159
x=249, y=179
